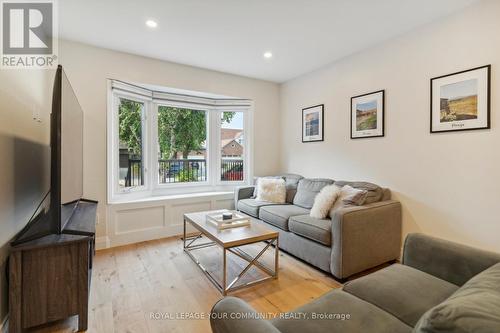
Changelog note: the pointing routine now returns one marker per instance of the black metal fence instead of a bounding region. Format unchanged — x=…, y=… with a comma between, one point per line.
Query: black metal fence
x=183, y=171
x=135, y=174
x=231, y=170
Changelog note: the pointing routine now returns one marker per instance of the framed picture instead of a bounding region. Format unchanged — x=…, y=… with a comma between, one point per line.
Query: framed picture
x=461, y=101
x=367, y=115
x=312, y=123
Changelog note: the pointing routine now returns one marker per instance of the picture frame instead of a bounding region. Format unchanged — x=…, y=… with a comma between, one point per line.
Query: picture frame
x=368, y=115
x=461, y=101
x=313, y=123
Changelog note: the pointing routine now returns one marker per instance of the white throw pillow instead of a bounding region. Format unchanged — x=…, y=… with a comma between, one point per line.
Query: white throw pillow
x=324, y=200
x=256, y=180
x=349, y=196
x=271, y=190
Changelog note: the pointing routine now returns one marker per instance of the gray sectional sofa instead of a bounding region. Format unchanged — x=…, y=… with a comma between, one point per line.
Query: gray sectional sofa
x=439, y=287
x=354, y=239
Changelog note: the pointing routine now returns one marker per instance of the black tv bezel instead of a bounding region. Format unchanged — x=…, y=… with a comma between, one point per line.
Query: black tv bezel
x=55, y=153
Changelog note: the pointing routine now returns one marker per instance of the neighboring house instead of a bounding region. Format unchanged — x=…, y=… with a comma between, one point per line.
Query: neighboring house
x=231, y=142
x=230, y=133
x=232, y=149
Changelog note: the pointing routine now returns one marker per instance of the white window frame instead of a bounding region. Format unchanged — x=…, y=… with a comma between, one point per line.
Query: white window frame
x=152, y=186
x=114, y=145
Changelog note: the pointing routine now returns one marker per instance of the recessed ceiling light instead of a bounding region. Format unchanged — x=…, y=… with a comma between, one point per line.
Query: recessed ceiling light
x=268, y=55
x=151, y=23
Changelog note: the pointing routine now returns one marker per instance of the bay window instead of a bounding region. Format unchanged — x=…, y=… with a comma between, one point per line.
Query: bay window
x=162, y=143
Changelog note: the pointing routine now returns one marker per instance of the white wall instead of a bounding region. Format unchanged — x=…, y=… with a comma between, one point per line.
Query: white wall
x=88, y=68
x=448, y=183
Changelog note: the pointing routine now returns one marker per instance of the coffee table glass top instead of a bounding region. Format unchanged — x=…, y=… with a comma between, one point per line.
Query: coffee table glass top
x=233, y=236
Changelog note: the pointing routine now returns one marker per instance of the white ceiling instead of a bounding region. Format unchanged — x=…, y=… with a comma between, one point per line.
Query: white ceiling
x=231, y=35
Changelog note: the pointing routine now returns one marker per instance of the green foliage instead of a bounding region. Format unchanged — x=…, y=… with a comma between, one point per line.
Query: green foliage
x=187, y=176
x=182, y=130
x=130, y=127
x=227, y=117
x=179, y=130
x=367, y=123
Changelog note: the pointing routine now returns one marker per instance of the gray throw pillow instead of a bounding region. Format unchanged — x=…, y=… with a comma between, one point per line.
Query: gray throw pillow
x=374, y=192
x=474, y=308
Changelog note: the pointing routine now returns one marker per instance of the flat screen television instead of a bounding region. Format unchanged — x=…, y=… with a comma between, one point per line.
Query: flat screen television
x=66, y=164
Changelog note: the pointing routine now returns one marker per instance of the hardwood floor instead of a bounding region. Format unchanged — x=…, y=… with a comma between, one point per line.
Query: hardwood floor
x=134, y=282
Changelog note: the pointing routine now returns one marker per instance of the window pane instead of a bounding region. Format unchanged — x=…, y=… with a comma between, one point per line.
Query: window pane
x=232, y=146
x=182, y=139
x=131, y=166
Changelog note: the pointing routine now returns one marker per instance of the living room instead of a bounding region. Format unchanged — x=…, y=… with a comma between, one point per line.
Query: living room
x=348, y=144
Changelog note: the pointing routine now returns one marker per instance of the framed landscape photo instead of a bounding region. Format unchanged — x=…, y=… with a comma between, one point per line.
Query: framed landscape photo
x=312, y=123
x=461, y=101
x=367, y=115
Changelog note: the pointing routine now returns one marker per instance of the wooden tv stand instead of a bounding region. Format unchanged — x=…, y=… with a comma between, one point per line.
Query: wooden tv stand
x=49, y=278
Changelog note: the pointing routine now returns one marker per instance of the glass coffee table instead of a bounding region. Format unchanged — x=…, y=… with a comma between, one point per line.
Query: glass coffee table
x=230, y=240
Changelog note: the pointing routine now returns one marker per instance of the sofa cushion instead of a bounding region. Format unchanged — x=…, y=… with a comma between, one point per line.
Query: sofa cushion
x=475, y=307
x=319, y=230
x=252, y=206
x=307, y=190
x=278, y=215
x=375, y=192
x=404, y=292
x=333, y=306
x=386, y=194
x=292, y=181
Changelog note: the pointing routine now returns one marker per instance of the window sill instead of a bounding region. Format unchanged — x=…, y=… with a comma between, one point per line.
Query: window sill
x=157, y=198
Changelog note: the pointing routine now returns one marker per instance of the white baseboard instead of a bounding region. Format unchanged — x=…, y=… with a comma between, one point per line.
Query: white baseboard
x=4, y=325
x=102, y=243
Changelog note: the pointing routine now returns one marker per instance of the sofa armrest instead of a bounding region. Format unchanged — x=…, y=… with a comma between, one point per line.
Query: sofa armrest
x=453, y=262
x=365, y=236
x=243, y=192
x=231, y=315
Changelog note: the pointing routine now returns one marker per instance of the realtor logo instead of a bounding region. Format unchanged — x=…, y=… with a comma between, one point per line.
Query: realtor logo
x=28, y=34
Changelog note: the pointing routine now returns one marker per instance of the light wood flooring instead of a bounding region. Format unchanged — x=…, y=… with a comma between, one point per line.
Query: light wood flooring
x=132, y=282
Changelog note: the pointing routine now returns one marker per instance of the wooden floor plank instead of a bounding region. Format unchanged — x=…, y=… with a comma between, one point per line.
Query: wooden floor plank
x=133, y=286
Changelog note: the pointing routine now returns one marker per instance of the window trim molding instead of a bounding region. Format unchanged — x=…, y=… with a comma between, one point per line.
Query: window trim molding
x=152, y=99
